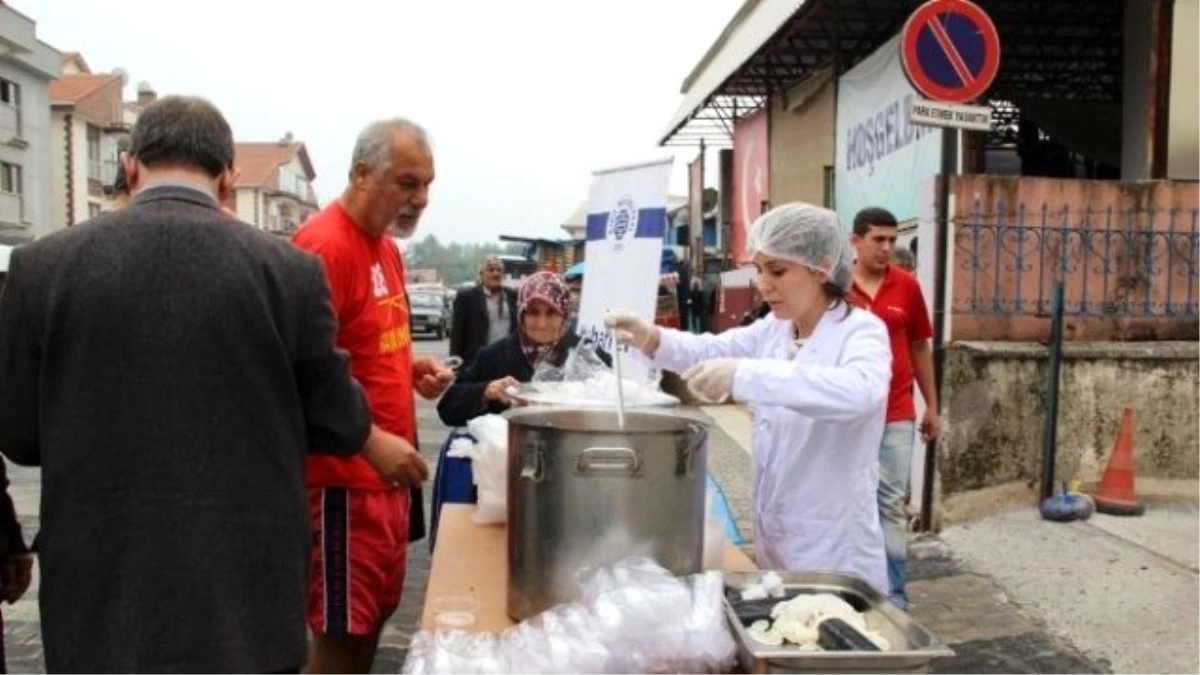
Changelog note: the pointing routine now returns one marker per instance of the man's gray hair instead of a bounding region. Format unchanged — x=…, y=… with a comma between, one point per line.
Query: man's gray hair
x=904, y=257
x=373, y=147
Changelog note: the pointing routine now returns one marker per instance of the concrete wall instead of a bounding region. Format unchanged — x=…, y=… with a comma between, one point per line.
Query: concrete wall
x=994, y=412
x=250, y=206
x=801, y=141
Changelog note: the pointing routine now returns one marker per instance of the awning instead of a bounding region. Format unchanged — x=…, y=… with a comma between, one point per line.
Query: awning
x=707, y=114
x=1052, y=52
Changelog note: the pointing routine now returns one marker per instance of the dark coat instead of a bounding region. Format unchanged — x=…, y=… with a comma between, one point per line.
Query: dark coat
x=464, y=401
x=469, y=321
x=169, y=368
x=12, y=541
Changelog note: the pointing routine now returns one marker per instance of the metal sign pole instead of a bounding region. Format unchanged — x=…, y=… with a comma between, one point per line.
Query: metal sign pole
x=943, y=238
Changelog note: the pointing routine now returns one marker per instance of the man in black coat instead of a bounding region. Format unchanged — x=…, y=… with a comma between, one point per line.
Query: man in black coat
x=169, y=367
x=483, y=313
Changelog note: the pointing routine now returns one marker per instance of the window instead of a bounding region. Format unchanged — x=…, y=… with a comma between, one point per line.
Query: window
x=10, y=178
x=10, y=97
x=93, y=152
x=10, y=93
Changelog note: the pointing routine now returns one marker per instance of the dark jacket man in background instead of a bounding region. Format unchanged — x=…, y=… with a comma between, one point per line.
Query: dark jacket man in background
x=169, y=368
x=484, y=313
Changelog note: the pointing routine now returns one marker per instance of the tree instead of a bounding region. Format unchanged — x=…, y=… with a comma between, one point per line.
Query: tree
x=456, y=263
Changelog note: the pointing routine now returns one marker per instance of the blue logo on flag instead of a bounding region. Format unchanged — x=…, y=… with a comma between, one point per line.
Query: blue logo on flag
x=622, y=222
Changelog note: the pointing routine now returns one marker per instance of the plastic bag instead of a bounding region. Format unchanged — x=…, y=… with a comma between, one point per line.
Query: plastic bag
x=632, y=617
x=584, y=379
x=456, y=652
x=489, y=466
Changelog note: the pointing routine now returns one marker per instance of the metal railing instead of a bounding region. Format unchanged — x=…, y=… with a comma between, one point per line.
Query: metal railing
x=1113, y=262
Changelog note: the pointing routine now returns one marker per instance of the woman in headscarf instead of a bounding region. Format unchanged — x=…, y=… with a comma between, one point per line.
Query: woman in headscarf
x=542, y=338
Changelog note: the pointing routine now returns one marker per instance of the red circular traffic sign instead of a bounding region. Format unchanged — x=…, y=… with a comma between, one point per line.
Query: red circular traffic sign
x=950, y=50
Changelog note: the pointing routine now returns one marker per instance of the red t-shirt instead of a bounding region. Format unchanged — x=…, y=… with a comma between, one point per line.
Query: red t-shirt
x=899, y=302
x=366, y=280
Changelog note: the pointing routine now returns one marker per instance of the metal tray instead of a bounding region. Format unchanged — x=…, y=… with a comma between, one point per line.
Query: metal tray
x=912, y=647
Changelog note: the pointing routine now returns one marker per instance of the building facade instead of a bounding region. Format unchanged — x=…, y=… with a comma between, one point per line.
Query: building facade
x=90, y=121
x=27, y=66
x=274, y=187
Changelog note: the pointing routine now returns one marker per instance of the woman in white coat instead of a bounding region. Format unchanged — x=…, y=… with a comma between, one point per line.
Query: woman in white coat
x=815, y=373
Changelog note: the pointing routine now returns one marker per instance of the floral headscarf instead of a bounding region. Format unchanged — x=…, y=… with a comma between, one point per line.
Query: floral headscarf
x=549, y=288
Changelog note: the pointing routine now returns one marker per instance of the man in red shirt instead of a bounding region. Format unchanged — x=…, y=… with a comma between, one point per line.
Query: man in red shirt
x=360, y=505
x=895, y=296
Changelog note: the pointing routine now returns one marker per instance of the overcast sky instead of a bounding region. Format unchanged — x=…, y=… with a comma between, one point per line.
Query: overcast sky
x=523, y=99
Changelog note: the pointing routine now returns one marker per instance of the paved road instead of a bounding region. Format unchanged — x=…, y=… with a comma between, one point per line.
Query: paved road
x=22, y=636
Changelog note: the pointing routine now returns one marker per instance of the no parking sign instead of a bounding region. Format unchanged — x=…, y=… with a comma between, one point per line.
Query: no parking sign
x=950, y=50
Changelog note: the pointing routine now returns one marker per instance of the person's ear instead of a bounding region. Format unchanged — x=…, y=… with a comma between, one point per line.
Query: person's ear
x=225, y=185
x=133, y=176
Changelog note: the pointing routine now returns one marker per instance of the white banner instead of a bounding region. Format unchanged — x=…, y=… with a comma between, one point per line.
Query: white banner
x=881, y=157
x=626, y=218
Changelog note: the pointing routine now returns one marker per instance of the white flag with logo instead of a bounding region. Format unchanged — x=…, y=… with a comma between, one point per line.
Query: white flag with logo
x=626, y=220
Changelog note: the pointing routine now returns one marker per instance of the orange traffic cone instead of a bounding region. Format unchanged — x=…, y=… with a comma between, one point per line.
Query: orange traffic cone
x=1115, y=495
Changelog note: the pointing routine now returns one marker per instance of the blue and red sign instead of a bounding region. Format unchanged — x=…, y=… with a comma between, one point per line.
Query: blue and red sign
x=950, y=50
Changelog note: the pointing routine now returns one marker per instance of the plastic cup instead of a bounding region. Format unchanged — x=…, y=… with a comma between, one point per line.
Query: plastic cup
x=454, y=612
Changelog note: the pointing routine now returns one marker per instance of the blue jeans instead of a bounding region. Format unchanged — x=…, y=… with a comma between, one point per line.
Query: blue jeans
x=895, y=466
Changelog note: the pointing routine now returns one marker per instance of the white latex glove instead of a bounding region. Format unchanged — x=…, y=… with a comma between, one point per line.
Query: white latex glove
x=712, y=379
x=629, y=328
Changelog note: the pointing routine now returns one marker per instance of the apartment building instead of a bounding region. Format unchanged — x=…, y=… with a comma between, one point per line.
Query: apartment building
x=274, y=187
x=27, y=66
x=90, y=119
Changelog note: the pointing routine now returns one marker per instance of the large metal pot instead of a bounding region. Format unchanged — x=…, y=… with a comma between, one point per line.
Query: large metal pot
x=582, y=492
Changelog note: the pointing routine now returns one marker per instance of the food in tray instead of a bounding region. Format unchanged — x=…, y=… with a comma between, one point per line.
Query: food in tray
x=770, y=586
x=776, y=616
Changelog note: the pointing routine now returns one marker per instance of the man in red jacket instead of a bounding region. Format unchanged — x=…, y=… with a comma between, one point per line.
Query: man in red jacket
x=360, y=505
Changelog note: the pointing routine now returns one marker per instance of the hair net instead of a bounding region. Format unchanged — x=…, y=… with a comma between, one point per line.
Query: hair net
x=805, y=234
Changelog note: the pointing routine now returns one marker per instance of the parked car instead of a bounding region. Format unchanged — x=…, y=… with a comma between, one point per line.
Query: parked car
x=429, y=313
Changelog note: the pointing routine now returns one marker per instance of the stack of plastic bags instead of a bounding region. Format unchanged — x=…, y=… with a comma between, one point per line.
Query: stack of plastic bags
x=585, y=380
x=633, y=617
x=489, y=465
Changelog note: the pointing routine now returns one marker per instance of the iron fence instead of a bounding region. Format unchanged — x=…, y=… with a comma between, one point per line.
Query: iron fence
x=1113, y=262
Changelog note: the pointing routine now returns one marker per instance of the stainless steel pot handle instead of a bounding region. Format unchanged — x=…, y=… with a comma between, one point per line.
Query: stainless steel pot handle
x=533, y=463
x=687, y=446
x=609, y=462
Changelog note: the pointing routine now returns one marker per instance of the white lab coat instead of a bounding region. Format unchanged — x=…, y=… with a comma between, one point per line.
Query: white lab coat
x=818, y=423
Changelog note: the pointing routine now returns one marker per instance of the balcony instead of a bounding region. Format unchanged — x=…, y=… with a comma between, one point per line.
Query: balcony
x=299, y=190
x=10, y=209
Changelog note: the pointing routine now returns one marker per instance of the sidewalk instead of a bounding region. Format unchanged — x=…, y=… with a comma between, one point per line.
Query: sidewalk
x=962, y=604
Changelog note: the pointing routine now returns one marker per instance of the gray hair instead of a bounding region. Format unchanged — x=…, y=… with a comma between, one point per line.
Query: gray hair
x=904, y=257
x=373, y=147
